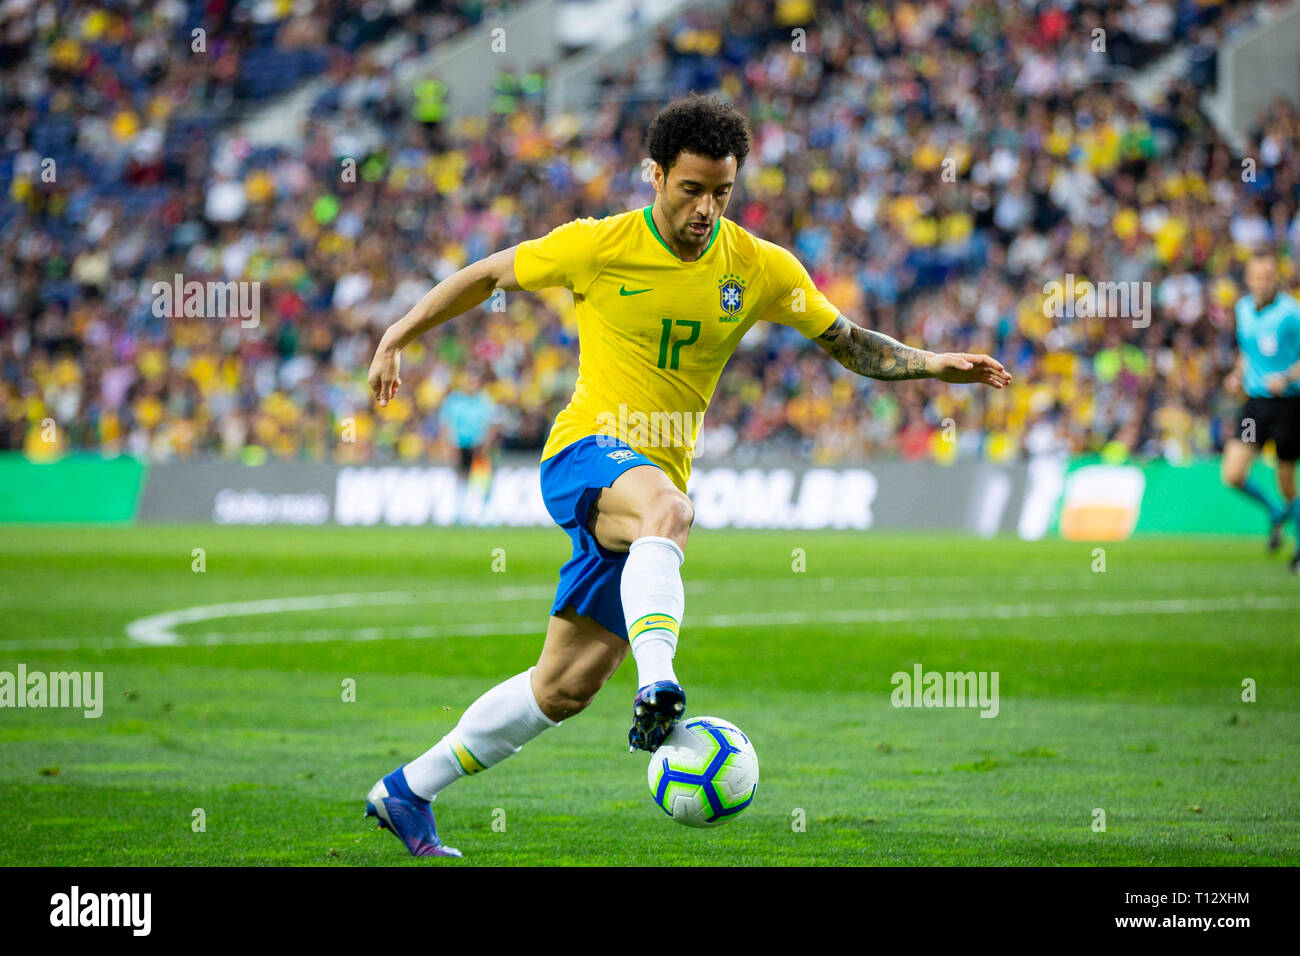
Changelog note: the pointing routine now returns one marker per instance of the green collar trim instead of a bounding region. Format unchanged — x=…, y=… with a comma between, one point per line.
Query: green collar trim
x=650, y=221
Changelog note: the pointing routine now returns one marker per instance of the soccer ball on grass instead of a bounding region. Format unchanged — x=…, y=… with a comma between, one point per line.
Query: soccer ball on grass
x=705, y=774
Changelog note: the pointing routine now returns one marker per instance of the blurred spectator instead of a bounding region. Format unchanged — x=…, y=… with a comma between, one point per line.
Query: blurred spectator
x=468, y=413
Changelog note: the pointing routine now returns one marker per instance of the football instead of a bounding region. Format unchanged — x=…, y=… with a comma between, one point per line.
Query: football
x=705, y=774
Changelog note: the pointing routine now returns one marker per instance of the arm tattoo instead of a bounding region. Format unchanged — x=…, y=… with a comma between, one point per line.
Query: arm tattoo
x=871, y=353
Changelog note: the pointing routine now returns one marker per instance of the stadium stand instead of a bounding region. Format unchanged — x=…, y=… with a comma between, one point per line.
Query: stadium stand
x=1056, y=170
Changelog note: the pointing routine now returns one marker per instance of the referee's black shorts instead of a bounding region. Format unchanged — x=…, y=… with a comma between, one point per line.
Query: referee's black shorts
x=1275, y=418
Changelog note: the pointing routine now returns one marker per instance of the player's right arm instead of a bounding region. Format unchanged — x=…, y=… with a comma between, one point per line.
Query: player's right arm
x=1232, y=382
x=454, y=295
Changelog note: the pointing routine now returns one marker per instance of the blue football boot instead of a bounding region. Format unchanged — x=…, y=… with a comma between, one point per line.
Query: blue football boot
x=407, y=816
x=655, y=713
x=1275, y=532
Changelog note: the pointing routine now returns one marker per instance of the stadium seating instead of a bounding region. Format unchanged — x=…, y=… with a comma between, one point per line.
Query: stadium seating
x=1056, y=170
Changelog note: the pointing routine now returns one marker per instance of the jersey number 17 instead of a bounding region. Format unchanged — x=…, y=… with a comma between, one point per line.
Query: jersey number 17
x=668, y=358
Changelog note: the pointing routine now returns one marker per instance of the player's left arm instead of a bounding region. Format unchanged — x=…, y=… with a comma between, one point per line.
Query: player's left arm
x=876, y=355
x=1279, y=382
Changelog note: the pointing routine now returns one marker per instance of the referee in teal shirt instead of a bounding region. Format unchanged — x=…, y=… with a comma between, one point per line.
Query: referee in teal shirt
x=1268, y=370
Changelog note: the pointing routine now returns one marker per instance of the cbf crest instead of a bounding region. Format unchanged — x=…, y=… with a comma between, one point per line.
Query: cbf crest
x=731, y=297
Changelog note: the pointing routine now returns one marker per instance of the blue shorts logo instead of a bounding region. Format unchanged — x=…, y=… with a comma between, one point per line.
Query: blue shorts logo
x=621, y=455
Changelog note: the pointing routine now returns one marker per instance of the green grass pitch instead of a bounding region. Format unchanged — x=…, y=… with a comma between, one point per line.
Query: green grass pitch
x=1119, y=691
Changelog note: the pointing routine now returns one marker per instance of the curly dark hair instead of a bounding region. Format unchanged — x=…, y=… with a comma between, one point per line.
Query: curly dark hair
x=698, y=124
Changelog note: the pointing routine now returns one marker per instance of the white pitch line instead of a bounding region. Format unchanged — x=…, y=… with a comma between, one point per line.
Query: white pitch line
x=772, y=618
x=932, y=585
x=753, y=619
x=967, y=612
x=158, y=629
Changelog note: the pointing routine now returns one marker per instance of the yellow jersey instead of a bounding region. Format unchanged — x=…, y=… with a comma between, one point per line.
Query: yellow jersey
x=654, y=332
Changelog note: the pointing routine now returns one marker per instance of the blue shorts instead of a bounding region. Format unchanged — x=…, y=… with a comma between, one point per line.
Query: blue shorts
x=571, y=481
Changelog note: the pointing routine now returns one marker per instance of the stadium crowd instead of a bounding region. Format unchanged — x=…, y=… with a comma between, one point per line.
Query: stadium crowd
x=934, y=165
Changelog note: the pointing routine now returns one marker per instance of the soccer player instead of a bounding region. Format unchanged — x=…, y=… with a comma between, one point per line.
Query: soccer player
x=663, y=295
x=1268, y=368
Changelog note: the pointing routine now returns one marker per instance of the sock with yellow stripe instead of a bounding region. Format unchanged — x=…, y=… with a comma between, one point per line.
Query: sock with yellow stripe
x=495, y=726
x=653, y=602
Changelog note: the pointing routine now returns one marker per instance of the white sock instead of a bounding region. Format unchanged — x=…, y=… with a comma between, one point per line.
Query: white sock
x=653, y=603
x=495, y=726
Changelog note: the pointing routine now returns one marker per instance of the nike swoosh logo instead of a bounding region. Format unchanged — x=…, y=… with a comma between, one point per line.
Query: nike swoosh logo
x=623, y=290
